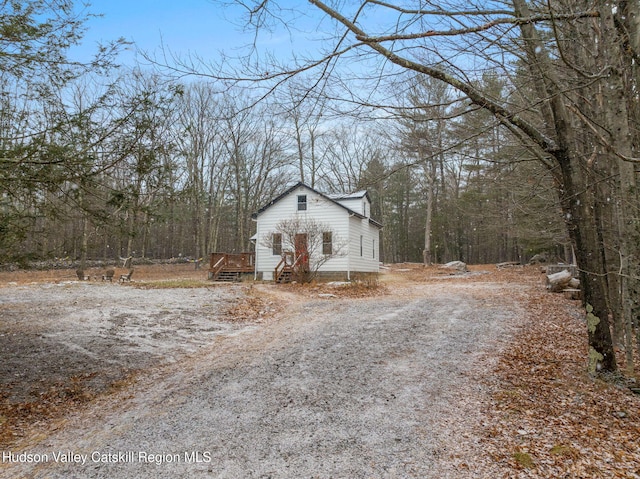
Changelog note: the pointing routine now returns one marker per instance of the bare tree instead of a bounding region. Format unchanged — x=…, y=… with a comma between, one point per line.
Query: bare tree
x=306, y=117
x=254, y=143
x=348, y=149
x=448, y=41
x=321, y=243
x=207, y=174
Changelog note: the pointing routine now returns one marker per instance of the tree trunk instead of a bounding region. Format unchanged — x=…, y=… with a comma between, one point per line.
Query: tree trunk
x=620, y=141
x=85, y=241
x=131, y=233
x=427, y=256
x=578, y=200
x=577, y=191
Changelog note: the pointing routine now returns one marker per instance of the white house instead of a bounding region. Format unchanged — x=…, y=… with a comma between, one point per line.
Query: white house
x=346, y=246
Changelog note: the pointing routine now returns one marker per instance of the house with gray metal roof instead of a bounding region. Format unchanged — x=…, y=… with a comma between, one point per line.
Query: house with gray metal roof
x=306, y=231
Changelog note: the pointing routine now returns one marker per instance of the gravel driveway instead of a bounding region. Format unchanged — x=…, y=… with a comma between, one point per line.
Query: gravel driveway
x=381, y=387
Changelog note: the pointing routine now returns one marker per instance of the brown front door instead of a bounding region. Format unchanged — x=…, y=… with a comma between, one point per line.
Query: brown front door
x=302, y=250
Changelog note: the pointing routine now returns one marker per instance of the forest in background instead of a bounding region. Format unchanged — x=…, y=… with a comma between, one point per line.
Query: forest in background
x=485, y=132
x=186, y=167
x=103, y=162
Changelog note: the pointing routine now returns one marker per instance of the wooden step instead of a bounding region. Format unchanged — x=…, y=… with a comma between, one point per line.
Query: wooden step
x=285, y=277
x=227, y=277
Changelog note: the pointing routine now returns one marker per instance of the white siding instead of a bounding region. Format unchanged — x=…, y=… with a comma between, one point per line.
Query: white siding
x=370, y=234
x=359, y=205
x=320, y=209
x=347, y=229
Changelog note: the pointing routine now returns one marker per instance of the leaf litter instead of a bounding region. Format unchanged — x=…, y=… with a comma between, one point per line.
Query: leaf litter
x=544, y=415
x=547, y=416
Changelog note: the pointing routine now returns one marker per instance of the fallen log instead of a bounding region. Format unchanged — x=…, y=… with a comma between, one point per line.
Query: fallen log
x=555, y=268
x=508, y=264
x=556, y=282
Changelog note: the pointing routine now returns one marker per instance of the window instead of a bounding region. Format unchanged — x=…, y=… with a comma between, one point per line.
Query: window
x=374, y=249
x=276, y=244
x=361, y=244
x=327, y=243
x=302, y=202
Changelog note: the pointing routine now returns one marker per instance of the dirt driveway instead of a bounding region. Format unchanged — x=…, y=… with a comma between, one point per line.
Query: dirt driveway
x=373, y=387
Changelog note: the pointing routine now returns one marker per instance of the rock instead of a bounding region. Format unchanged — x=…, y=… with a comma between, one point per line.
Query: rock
x=539, y=258
x=455, y=265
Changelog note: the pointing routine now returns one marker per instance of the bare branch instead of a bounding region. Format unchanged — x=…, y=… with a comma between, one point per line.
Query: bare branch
x=476, y=29
x=476, y=96
x=463, y=13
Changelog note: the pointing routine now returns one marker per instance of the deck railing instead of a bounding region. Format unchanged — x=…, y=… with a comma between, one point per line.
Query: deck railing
x=290, y=262
x=285, y=264
x=233, y=262
x=216, y=268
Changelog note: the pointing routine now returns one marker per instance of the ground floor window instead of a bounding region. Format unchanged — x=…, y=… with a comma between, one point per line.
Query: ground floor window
x=276, y=244
x=327, y=243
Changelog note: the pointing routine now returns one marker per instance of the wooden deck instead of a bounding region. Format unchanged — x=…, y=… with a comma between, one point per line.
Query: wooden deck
x=230, y=266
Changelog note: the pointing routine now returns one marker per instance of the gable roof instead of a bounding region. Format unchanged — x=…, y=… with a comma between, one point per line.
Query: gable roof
x=328, y=198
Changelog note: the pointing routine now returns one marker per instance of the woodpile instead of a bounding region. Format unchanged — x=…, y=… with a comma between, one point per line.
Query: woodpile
x=556, y=268
x=565, y=282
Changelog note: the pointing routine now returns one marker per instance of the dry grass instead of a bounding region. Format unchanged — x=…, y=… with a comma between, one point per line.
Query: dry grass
x=187, y=283
x=142, y=273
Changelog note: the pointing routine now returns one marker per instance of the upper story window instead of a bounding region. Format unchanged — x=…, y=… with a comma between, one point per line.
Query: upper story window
x=302, y=202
